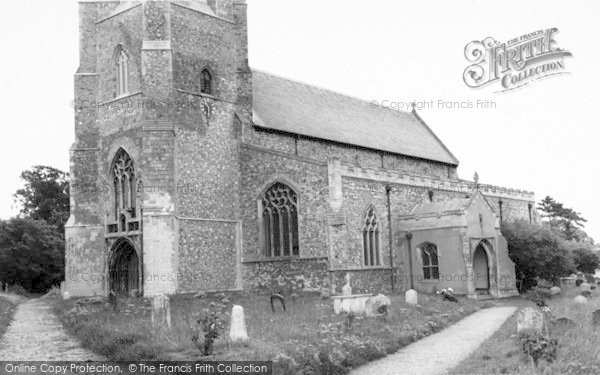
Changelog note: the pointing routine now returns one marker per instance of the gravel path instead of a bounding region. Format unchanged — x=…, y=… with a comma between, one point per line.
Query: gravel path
x=36, y=334
x=440, y=352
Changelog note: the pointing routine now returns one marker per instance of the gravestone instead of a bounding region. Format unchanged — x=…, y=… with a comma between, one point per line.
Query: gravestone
x=347, y=289
x=554, y=290
x=66, y=295
x=448, y=296
x=530, y=320
x=411, y=297
x=277, y=297
x=378, y=305
x=596, y=317
x=585, y=287
x=237, y=330
x=580, y=300
x=578, y=282
x=161, y=311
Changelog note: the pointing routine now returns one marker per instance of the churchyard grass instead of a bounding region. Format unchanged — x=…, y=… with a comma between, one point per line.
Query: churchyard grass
x=7, y=310
x=307, y=330
x=578, y=351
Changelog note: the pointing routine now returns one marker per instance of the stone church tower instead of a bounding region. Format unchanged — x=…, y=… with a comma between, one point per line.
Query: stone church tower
x=162, y=89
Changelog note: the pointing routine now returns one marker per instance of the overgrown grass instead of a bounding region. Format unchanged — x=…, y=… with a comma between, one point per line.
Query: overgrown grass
x=578, y=352
x=7, y=309
x=308, y=335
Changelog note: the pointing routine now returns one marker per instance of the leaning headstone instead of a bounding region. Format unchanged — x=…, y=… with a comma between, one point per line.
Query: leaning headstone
x=237, y=330
x=554, y=290
x=596, y=317
x=585, y=287
x=580, y=299
x=277, y=297
x=530, y=320
x=448, y=296
x=378, y=305
x=161, y=311
x=411, y=297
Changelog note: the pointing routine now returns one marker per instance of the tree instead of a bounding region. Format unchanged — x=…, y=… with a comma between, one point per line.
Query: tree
x=585, y=260
x=31, y=254
x=45, y=195
x=537, y=252
x=566, y=220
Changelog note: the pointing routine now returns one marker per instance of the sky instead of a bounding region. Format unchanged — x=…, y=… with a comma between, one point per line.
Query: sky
x=542, y=138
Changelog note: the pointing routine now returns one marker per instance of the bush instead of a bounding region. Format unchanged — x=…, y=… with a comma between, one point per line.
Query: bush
x=585, y=260
x=539, y=347
x=31, y=254
x=538, y=252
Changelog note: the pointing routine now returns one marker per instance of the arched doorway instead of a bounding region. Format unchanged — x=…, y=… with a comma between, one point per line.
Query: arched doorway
x=124, y=268
x=481, y=270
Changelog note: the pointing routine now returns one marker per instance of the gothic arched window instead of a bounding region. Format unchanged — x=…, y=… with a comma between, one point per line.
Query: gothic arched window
x=122, y=71
x=370, y=236
x=124, y=184
x=206, y=84
x=280, y=221
x=429, y=256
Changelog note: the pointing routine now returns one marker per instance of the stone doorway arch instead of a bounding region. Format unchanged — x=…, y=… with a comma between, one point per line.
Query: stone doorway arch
x=124, y=269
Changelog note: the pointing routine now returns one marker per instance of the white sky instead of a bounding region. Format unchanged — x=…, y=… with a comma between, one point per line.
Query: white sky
x=542, y=138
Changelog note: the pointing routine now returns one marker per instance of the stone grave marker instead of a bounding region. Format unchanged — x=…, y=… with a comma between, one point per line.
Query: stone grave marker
x=530, y=320
x=161, y=311
x=411, y=297
x=237, y=329
x=554, y=290
x=580, y=300
x=585, y=287
x=378, y=305
x=347, y=289
x=596, y=318
x=277, y=297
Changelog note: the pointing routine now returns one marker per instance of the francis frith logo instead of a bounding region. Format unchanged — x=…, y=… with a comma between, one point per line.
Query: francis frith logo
x=515, y=63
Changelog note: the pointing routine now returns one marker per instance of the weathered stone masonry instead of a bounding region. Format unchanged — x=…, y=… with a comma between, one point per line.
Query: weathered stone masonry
x=202, y=163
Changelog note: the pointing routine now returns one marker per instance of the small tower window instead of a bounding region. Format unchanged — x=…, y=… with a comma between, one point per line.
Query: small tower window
x=122, y=72
x=206, y=84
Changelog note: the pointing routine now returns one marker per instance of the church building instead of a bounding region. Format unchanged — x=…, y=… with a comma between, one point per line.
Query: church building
x=192, y=172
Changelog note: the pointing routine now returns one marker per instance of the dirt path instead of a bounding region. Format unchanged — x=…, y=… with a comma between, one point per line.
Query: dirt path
x=438, y=353
x=36, y=334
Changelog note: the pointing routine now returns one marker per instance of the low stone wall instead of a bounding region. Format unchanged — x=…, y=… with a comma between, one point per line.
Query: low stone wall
x=285, y=276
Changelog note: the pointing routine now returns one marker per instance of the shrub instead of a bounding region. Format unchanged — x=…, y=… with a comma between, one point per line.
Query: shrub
x=538, y=252
x=538, y=346
x=31, y=254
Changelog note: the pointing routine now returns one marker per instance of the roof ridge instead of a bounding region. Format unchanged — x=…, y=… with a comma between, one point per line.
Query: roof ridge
x=315, y=86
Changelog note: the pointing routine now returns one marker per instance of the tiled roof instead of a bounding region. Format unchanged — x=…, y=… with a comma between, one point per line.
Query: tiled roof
x=440, y=207
x=289, y=106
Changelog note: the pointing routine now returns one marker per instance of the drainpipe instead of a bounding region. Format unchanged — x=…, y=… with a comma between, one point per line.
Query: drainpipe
x=141, y=269
x=409, y=237
x=388, y=188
